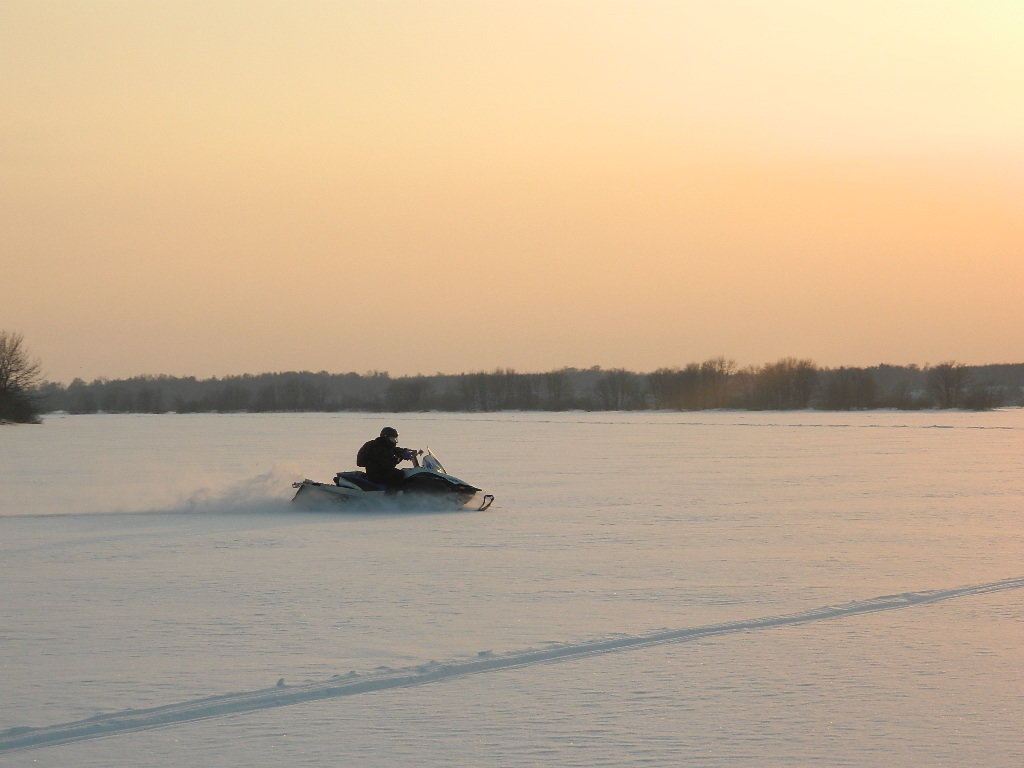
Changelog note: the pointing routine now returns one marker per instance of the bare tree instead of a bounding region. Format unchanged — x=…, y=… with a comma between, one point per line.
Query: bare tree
x=18, y=376
x=618, y=390
x=715, y=375
x=785, y=385
x=948, y=383
x=848, y=389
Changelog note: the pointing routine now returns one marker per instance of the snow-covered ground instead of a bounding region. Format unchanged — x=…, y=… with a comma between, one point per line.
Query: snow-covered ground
x=709, y=589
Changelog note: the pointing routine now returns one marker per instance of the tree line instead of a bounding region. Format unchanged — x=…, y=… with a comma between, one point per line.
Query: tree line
x=787, y=384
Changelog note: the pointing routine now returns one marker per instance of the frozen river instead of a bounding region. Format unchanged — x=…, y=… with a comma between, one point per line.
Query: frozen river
x=649, y=589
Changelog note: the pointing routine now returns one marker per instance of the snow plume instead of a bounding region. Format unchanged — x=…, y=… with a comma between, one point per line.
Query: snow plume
x=160, y=492
x=267, y=492
x=352, y=683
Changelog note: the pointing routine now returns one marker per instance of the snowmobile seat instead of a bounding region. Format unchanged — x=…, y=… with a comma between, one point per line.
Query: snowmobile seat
x=360, y=479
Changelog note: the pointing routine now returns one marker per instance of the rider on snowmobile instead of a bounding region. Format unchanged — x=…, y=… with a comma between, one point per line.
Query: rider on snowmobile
x=380, y=458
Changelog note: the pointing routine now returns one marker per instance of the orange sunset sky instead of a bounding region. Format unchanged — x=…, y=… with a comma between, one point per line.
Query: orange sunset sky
x=416, y=186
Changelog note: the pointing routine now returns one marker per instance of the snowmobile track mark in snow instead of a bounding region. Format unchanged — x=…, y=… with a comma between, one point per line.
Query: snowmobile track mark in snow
x=132, y=720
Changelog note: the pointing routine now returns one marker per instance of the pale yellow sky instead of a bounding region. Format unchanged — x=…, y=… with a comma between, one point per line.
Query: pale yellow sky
x=200, y=188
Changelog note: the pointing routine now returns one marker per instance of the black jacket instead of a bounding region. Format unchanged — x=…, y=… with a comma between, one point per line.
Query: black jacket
x=379, y=456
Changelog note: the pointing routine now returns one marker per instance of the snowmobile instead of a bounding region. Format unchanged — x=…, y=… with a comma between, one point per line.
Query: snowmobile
x=426, y=485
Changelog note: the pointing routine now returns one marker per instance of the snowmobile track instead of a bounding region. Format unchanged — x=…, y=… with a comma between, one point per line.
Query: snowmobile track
x=132, y=720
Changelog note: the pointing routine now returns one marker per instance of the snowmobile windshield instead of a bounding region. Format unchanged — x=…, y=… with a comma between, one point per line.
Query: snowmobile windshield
x=430, y=462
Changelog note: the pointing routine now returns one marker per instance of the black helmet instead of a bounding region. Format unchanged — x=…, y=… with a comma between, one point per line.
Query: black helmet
x=389, y=432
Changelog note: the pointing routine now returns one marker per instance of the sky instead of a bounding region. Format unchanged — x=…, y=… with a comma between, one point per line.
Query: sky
x=417, y=186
